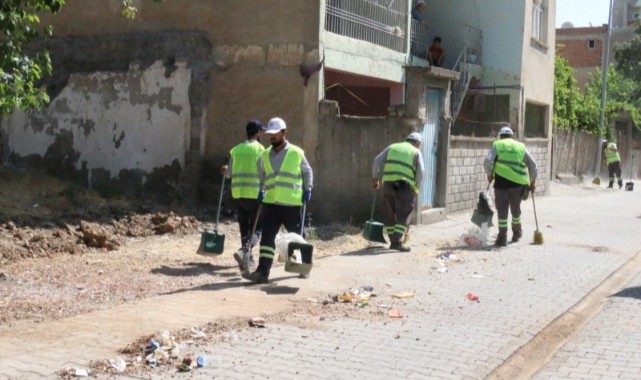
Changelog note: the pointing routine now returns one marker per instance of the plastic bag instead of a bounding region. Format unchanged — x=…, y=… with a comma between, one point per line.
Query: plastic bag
x=282, y=242
x=475, y=237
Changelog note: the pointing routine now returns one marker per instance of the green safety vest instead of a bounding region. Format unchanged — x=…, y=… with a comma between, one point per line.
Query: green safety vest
x=399, y=165
x=286, y=186
x=510, y=161
x=611, y=155
x=245, y=177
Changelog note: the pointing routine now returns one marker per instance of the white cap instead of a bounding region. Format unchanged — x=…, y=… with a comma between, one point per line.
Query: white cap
x=604, y=141
x=415, y=136
x=506, y=131
x=275, y=125
x=419, y=2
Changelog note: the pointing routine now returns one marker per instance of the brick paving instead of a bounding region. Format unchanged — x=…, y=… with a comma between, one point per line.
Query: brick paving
x=522, y=288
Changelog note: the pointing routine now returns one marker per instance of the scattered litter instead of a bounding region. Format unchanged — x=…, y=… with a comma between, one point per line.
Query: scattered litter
x=530, y=278
x=257, y=322
x=76, y=372
x=474, y=237
x=443, y=270
x=403, y=295
x=476, y=275
x=314, y=300
x=201, y=361
x=382, y=306
x=393, y=313
x=230, y=336
x=119, y=365
x=184, y=367
x=449, y=255
x=197, y=334
x=367, y=288
x=472, y=297
x=358, y=297
x=388, y=284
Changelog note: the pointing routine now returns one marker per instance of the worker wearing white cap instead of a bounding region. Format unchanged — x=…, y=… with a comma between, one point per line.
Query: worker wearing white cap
x=286, y=180
x=613, y=160
x=402, y=175
x=513, y=171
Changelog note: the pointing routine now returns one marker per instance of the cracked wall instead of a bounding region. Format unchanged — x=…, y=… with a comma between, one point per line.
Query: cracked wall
x=104, y=126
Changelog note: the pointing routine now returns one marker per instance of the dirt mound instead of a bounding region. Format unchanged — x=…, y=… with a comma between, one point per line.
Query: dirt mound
x=41, y=216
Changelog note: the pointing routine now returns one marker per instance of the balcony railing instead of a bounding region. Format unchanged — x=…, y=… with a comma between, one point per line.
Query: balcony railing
x=381, y=22
x=420, y=43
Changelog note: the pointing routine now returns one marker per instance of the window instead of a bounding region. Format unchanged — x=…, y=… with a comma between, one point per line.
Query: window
x=535, y=120
x=590, y=44
x=539, y=20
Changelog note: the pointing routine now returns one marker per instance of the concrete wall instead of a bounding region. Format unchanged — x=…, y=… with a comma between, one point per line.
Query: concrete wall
x=466, y=177
x=574, y=153
x=253, y=63
x=346, y=151
x=144, y=114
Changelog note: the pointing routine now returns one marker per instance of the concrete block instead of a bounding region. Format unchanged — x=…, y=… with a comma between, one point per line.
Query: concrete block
x=433, y=215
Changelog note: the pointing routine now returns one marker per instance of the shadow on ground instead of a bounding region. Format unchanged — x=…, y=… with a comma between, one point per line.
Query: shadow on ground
x=193, y=269
x=633, y=292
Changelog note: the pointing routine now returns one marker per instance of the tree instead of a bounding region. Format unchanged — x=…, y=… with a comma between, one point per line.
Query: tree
x=20, y=74
x=628, y=58
x=567, y=98
x=621, y=99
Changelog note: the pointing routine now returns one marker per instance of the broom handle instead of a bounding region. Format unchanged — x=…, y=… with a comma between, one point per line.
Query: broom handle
x=251, y=235
x=371, y=217
x=302, y=220
x=220, y=202
x=534, y=206
x=631, y=161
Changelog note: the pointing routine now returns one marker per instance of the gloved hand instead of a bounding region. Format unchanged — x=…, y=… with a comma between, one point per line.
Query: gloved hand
x=261, y=195
x=307, y=195
x=532, y=187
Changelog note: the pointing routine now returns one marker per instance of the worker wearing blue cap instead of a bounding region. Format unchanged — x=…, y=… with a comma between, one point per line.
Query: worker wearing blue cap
x=402, y=175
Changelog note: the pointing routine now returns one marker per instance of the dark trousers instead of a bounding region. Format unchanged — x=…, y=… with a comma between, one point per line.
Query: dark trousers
x=273, y=217
x=399, y=204
x=247, y=209
x=508, y=200
x=614, y=169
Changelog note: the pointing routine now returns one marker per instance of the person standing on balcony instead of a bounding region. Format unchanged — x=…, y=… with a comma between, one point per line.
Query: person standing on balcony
x=436, y=54
x=417, y=11
x=402, y=175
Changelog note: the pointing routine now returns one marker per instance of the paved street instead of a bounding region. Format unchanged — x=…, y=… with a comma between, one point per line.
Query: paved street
x=589, y=234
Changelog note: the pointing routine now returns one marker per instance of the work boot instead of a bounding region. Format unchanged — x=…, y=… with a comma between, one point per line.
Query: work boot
x=256, y=277
x=398, y=246
x=239, y=256
x=611, y=184
x=516, y=235
x=501, y=240
x=620, y=184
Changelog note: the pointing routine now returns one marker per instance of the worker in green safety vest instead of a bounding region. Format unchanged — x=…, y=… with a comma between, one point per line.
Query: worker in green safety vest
x=514, y=172
x=243, y=168
x=286, y=180
x=401, y=169
x=613, y=160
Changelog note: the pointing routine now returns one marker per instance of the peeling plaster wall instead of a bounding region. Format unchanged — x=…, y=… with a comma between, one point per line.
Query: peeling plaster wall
x=112, y=122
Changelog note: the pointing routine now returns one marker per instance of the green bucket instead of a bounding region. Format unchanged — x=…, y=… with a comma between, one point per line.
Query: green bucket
x=373, y=231
x=211, y=243
x=305, y=250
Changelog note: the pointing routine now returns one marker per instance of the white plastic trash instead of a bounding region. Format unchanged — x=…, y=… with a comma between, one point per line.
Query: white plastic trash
x=282, y=242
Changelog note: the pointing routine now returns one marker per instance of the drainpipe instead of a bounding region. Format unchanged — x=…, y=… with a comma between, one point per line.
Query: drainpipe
x=604, y=83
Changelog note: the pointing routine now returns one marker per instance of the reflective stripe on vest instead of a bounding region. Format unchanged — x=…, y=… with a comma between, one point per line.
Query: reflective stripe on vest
x=399, y=165
x=245, y=178
x=510, y=163
x=611, y=155
x=286, y=186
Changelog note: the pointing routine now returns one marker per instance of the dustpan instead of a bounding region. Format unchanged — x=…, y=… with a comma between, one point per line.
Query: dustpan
x=373, y=231
x=299, y=255
x=483, y=212
x=212, y=243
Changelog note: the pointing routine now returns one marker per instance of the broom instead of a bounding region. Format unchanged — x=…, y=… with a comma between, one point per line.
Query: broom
x=538, y=235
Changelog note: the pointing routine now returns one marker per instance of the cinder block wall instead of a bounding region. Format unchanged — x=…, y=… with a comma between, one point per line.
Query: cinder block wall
x=465, y=174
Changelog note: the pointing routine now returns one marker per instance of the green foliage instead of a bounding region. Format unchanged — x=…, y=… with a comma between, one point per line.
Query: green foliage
x=567, y=98
x=21, y=73
x=628, y=57
x=621, y=98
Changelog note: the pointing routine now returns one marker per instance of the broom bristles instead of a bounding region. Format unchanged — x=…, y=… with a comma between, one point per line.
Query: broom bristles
x=538, y=237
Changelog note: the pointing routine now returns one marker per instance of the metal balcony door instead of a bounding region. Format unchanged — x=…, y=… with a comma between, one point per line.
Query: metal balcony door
x=429, y=148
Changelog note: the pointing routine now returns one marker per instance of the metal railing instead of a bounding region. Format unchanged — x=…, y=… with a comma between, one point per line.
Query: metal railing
x=381, y=22
x=419, y=43
x=467, y=55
